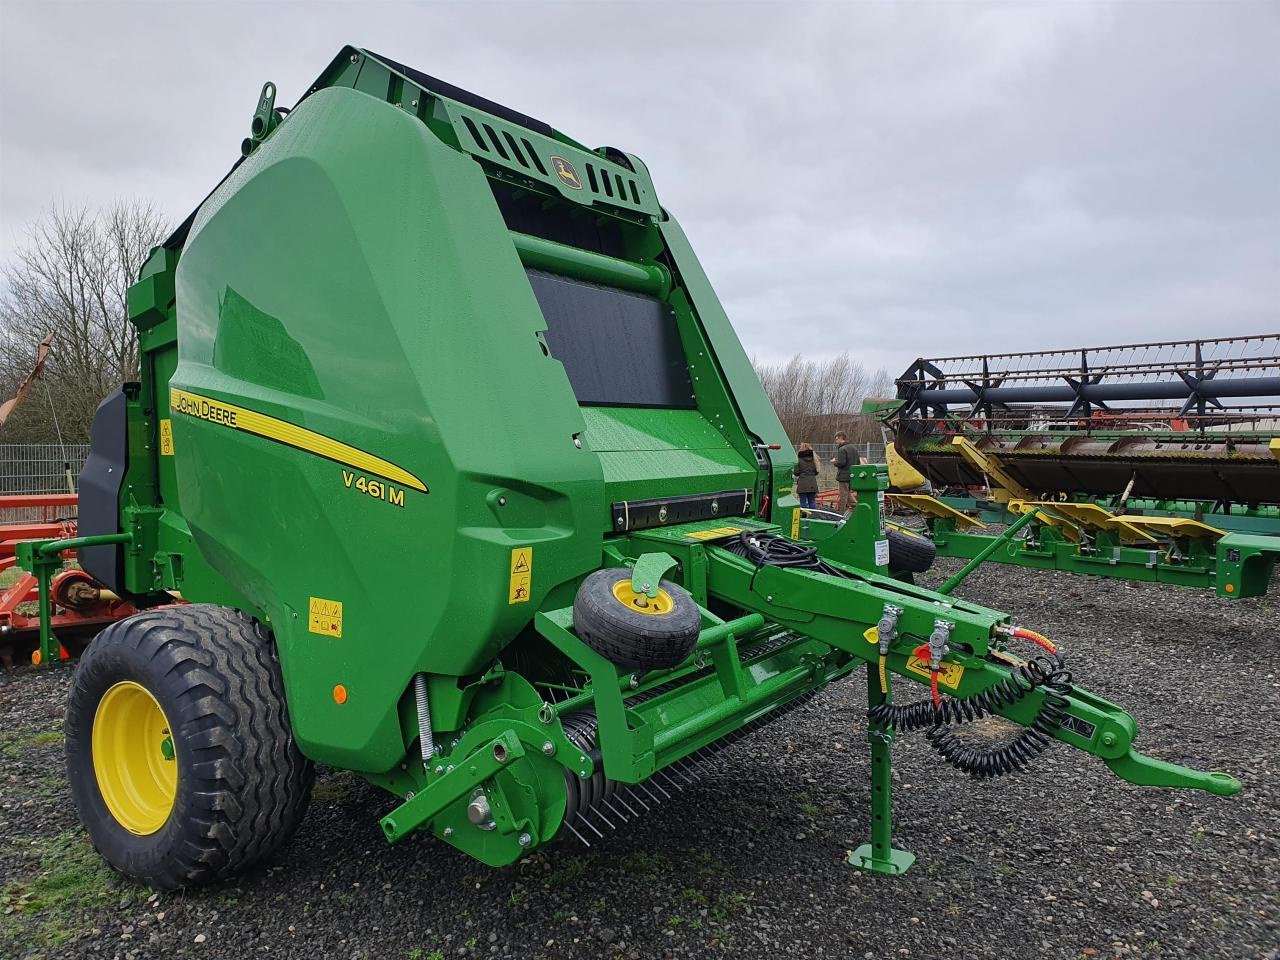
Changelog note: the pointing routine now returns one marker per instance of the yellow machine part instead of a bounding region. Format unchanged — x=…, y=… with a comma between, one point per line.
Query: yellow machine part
x=133, y=758
x=1092, y=516
x=933, y=507
x=902, y=475
x=1174, y=527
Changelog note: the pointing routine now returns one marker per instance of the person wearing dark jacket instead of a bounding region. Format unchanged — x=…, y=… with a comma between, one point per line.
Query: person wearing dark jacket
x=806, y=473
x=845, y=459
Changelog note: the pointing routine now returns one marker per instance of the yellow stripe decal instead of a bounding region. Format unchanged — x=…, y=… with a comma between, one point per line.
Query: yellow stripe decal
x=259, y=424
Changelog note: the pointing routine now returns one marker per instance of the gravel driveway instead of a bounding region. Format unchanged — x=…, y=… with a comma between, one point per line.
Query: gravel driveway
x=1064, y=861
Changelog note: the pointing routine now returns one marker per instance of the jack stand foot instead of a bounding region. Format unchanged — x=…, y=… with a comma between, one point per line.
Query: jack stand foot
x=864, y=858
x=880, y=855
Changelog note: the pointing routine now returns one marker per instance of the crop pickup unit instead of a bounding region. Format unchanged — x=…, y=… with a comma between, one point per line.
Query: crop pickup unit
x=469, y=487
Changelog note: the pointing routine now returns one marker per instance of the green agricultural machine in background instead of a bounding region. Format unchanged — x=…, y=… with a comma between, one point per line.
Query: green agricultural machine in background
x=465, y=483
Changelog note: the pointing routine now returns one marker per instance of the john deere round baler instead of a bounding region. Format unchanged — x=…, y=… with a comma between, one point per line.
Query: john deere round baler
x=446, y=467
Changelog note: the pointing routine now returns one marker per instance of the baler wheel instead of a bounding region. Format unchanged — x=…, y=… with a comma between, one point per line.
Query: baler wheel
x=180, y=755
x=910, y=552
x=632, y=631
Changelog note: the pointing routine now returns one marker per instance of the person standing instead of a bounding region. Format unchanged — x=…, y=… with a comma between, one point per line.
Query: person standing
x=806, y=473
x=845, y=459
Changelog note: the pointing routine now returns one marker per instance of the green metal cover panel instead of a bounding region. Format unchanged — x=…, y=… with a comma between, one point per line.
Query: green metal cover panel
x=654, y=453
x=354, y=277
x=598, y=180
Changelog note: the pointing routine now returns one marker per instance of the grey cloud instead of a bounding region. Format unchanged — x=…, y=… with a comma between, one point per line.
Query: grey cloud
x=887, y=179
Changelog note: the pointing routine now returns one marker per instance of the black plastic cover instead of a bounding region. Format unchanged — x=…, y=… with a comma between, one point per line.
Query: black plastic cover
x=666, y=511
x=99, y=491
x=620, y=349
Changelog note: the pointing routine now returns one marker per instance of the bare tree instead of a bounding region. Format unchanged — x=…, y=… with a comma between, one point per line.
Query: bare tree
x=816, y=398
x=69, y=278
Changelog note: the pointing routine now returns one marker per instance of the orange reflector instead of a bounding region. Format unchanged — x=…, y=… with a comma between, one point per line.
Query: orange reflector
x=339, y=694
x=36, y=658
x=1230, y=588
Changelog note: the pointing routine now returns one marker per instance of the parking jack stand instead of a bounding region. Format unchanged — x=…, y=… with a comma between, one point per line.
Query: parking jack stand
x=879, y=855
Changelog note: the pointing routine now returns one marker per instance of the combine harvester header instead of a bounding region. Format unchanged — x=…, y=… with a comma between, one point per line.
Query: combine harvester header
x=1149, y=461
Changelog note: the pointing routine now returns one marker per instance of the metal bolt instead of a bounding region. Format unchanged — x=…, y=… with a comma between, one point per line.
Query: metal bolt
x=525, y=840
x=478, y=811
x=549, y=748
x=415, y=103
x=502, y=501
x=577, y=442
x=439, y=768
x=1108, y=739
x=355, y=58
x=449, y=768
x=409, y=795
x=448, y=831
x=635, y=680
x=768, y=599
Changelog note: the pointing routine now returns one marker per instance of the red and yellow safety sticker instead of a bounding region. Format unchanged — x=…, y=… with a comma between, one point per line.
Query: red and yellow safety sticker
x=949, y=673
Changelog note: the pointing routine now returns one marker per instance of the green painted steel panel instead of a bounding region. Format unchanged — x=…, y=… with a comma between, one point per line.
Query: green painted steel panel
x=354, y=277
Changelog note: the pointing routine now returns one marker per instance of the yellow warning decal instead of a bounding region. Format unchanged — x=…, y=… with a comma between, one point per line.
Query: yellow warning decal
x=521, y=575
x=166, y=437
x=795, y=524
x=948, y=676
x=713, y=534
x=290, y=434
x=325, y=617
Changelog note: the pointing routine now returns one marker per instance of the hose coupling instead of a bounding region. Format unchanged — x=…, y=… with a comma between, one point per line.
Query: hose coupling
x=938, y=642
x=887, y=628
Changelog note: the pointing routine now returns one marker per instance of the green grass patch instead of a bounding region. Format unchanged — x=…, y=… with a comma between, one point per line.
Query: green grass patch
x=69, y=881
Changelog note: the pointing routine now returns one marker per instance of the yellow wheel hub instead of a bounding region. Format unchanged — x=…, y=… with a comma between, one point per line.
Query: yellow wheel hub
x=134, y=758
x=640, y=603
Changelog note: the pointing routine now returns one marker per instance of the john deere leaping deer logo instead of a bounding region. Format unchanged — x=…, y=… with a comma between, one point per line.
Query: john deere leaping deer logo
x=564, y=170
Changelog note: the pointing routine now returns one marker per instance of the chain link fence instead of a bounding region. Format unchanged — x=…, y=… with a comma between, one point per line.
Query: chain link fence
x=40, y=467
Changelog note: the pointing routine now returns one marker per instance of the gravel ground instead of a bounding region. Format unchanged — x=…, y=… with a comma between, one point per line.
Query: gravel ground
x=1062, y=861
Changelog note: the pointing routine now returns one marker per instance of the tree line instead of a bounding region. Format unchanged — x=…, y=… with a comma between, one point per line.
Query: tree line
x=816, y=398
x=68, y=277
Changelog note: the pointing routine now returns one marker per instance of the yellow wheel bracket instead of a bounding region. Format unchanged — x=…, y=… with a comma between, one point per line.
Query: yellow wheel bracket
x=134, y=759
x=640, y=603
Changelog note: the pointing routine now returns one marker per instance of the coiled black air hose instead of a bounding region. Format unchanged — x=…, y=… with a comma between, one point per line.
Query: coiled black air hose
x=923, y=714
x=986, y=762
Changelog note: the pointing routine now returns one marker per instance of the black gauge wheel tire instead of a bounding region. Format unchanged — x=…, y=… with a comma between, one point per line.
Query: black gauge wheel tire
x=627, y=637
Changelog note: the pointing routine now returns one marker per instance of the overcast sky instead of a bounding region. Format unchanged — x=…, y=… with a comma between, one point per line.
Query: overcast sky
x=895, y=180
